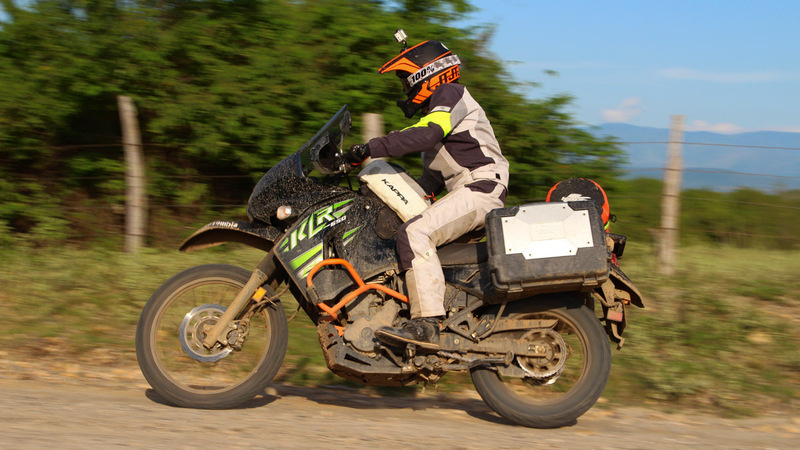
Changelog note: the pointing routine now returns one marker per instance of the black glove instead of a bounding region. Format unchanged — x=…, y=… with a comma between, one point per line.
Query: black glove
x=357, y=154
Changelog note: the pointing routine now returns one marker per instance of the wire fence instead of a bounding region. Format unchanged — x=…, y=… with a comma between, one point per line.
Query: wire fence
x=645, y=172
x=628, y=170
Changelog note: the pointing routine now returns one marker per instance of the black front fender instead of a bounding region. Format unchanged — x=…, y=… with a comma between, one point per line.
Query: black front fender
x=220, y=232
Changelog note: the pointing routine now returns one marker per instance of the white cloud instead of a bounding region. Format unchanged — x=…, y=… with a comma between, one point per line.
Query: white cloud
x=729, y=128
x=628, y=109
x=681, y=73
x=722, y=127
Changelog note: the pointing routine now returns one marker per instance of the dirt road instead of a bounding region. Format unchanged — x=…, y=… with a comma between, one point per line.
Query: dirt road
x=75, y=409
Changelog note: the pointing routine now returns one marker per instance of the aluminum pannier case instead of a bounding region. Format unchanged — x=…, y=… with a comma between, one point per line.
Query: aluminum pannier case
x=546, y=247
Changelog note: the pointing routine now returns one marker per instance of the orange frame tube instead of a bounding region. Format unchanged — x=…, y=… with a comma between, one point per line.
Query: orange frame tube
x=362, y=287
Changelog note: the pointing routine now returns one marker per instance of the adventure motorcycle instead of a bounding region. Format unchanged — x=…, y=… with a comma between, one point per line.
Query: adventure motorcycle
x=520, y=305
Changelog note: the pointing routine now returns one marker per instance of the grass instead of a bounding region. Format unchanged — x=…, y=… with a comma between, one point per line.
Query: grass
x=722, y=335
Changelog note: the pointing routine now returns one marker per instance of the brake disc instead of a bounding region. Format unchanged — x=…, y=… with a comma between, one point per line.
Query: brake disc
x=545, y=369
x=193, y=331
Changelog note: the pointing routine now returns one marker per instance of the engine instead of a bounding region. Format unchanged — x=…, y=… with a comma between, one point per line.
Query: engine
x=365, y=315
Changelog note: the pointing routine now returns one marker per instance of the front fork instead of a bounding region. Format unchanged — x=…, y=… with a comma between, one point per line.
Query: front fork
x=218, y=333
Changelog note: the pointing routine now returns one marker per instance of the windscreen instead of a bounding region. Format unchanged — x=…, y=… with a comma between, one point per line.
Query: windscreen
x=306, y=176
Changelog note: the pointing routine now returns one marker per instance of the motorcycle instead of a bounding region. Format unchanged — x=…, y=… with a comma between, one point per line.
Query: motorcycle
x=522, y=315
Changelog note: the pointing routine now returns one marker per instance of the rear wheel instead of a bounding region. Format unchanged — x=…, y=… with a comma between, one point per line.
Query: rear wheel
x=555, y=389
x=170, y=333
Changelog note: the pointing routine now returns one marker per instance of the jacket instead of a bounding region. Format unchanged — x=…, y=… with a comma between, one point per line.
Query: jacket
x=456, y=140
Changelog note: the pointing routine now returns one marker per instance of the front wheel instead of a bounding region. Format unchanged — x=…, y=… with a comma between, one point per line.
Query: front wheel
x=170, y=332
x=553, y=390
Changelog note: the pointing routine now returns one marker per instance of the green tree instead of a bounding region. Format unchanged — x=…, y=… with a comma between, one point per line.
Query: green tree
x=225, y=88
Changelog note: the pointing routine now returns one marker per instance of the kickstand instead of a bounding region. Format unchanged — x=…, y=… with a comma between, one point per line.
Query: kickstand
x=411, y=351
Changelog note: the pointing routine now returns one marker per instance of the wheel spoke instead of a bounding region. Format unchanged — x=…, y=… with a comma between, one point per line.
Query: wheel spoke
x=189, y=363
x=561, y=384
x=170, y=341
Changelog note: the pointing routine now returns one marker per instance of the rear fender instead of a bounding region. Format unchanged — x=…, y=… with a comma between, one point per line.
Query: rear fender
x=617, y=292
x=622, y=284
x=220, y=232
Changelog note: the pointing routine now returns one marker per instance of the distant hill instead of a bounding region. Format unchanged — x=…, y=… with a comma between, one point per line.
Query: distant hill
x=767, y=154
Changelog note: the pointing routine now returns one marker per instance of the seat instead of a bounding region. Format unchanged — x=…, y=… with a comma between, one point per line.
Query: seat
x=458, y=254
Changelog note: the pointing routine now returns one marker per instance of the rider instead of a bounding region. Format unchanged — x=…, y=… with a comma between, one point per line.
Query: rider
x=459, y=153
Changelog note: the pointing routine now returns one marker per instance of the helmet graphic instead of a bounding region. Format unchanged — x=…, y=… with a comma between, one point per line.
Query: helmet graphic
x=422, y=68
x=581, y=189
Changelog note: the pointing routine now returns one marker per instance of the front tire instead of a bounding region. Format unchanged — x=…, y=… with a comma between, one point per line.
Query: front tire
x=552, y=401
x=227, y=380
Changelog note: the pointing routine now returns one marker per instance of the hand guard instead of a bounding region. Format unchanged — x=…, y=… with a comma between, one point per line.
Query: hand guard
x=357, y=154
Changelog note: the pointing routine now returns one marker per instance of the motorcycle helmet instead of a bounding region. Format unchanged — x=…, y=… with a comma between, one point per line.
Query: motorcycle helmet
x=422, y=68
x=582, y=189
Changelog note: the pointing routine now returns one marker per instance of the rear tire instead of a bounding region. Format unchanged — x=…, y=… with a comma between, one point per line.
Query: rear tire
x=227, y=382
x=578, y=387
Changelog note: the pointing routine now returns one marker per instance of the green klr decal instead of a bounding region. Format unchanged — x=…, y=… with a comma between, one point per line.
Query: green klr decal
x=307, y=260
x=316, y=222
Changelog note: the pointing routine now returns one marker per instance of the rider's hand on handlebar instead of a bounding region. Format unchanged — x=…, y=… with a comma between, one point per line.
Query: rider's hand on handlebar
x=357, y=154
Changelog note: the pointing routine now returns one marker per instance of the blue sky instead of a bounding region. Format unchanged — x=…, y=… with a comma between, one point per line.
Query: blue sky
x=727, y=65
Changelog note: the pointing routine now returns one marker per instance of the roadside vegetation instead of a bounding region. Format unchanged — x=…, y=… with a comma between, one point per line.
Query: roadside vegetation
x=721, y=336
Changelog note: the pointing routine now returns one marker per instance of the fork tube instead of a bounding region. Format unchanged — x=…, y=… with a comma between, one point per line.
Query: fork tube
x=265, y=268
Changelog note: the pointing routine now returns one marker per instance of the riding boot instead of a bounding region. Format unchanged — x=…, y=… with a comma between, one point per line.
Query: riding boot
x=423, y=332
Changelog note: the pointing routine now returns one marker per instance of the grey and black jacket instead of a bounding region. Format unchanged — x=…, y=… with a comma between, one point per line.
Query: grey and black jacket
x=456, y=140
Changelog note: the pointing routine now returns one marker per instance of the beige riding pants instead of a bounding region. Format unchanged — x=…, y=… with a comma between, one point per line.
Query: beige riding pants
x=455, y=214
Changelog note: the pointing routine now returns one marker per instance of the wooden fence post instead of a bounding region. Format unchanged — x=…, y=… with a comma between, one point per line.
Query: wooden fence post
x=373, y=126
x=671, y=200
x=135, y=184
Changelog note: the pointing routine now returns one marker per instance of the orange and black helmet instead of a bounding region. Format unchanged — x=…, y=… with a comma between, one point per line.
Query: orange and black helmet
x=422, y=68
x=582, y=189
